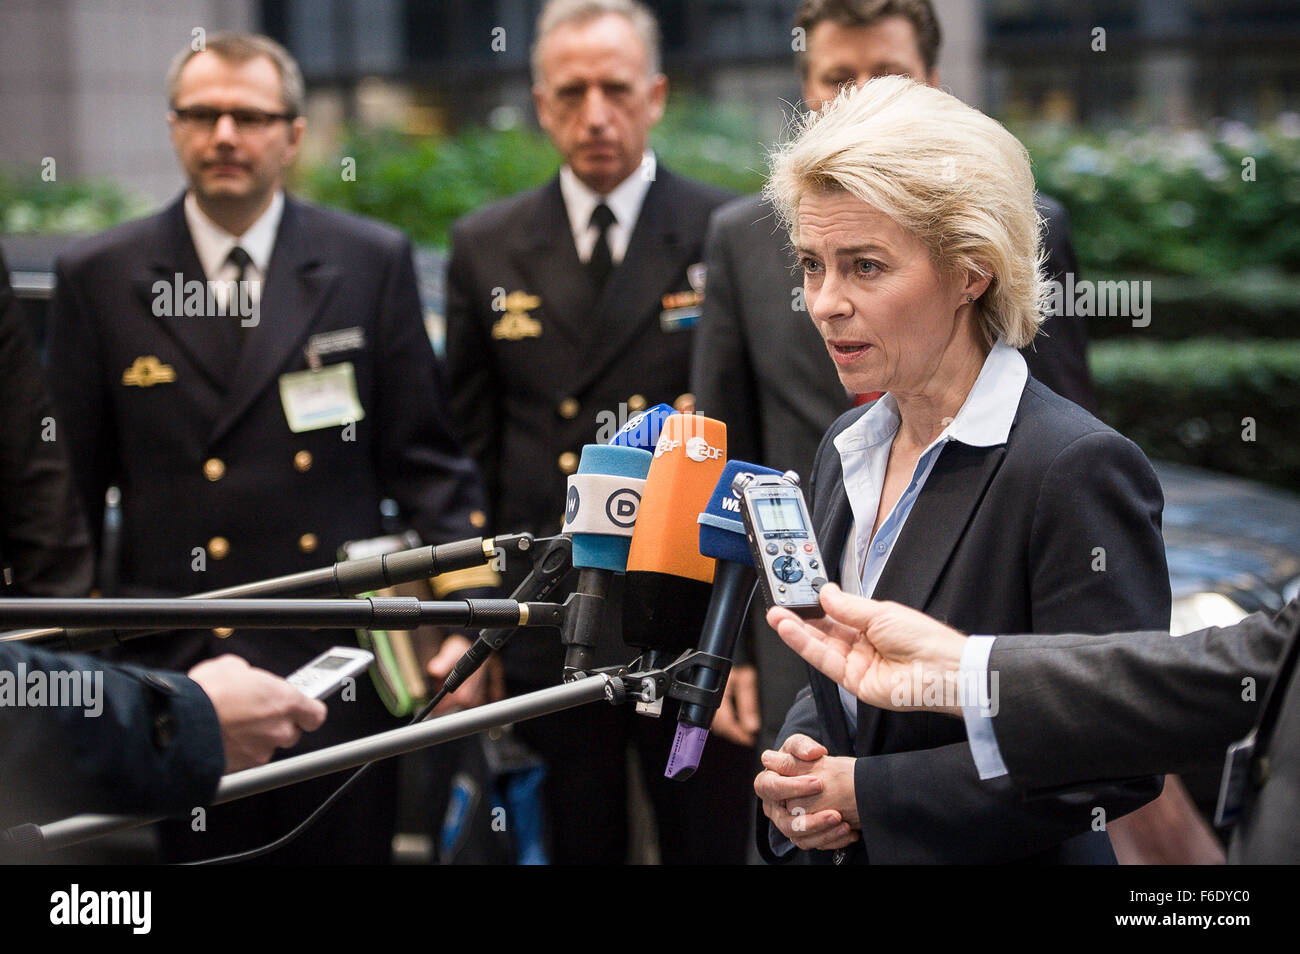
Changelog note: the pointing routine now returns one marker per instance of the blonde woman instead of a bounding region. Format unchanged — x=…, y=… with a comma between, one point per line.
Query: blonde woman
x=969, y=490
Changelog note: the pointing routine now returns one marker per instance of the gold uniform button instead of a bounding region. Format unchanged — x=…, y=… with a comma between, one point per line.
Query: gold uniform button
x=214, y=468
x=223, y=632
x=218, y=547
x=307, y=542
x=569, y=462
x=569, y=408
x=636, y=403
x=302, y=461
x=477, y=519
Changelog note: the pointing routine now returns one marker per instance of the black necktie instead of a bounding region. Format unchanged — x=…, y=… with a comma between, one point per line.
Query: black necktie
x=236, y=331
x=241, y=260
x=601, y=262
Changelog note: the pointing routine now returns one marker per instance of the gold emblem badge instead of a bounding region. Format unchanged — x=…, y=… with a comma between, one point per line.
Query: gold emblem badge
x=516, y=323
x=146, y=371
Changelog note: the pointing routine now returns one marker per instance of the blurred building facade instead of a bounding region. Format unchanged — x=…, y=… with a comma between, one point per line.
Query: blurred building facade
x=81, y=80
x=81, y=83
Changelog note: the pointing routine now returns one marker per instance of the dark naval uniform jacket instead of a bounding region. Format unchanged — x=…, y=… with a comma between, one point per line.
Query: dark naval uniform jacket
x=133, y=741
x=539, y=365
x=216, y=488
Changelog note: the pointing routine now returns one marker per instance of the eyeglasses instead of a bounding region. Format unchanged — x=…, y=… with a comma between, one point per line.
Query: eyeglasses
x=205, y=118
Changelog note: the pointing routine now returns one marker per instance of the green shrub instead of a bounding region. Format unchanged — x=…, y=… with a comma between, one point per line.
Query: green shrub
x=28, y=204
x=423, y=184
x=1230, y=406
x=1251, y=304
x=1204, y=203
x=1210, y=205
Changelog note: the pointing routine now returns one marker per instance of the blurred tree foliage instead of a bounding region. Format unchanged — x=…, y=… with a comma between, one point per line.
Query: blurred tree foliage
x=30, y=204
x=1211, y=204
x=423, y=184
x=1208, y=203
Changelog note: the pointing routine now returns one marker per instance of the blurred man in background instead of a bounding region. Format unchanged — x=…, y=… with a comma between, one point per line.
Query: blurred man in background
x=253, y=438
x=155, y=743
x=566, y=303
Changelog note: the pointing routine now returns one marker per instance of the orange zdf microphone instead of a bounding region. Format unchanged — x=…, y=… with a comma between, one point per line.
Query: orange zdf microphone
x=668, y=581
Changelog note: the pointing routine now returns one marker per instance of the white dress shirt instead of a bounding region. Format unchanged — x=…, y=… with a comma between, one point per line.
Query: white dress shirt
x=624, y=201
x=213, y=245
x=978, y=713
x=984, y=420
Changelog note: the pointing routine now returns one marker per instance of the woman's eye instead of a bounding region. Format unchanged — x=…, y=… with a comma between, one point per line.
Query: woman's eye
x=866, y=267
x=809, y=266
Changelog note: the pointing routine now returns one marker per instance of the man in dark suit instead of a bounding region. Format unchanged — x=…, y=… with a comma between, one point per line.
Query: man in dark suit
x=759, y=364
x=44, y=547
x=569, y=308
x=917, y=795
x=254, y=374
x=1072, y=709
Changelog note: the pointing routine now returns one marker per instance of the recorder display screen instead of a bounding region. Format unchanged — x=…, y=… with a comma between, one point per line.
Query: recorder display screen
x=778, y=514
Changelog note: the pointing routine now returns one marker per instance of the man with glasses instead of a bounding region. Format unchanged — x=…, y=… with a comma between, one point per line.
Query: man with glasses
x=254, y=374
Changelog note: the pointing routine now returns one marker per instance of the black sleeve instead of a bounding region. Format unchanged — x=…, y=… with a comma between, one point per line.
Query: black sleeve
x=43, y=535
x=1074, y=708
x=83, y=408
x=722, y=377
x=125, y=739
x=475, y=397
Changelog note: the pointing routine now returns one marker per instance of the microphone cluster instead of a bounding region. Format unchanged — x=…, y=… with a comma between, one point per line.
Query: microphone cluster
x=656, y=504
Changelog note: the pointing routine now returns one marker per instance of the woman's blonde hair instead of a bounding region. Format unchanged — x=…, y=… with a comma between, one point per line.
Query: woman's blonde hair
x=947, y=173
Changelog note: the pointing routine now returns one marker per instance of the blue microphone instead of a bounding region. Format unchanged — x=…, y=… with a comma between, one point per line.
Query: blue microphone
x=643, y=430
x=722, y=537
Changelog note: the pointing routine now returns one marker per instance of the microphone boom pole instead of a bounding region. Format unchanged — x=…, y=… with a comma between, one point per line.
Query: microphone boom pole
x=375, y=612
x=344, y=579
x=327, y=761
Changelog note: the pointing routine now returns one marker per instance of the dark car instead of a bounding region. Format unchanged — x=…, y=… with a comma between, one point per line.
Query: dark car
x=1233, y=546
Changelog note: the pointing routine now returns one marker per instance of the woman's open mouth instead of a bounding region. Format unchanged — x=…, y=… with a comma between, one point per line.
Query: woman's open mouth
x=846, y=352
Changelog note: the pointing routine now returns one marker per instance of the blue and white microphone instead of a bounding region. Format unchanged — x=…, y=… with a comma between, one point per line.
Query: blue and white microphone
x=600, y=514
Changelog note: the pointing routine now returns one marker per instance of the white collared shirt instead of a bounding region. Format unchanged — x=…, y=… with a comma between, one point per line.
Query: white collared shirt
x=984, y=420
x=624, y=201
x=213, y=244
